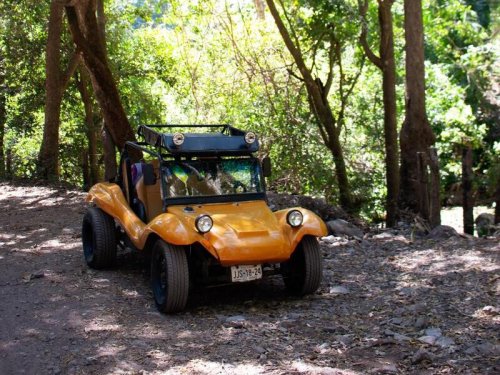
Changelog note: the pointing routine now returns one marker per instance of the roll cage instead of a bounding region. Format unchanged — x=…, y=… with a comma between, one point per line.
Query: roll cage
x=221, y=142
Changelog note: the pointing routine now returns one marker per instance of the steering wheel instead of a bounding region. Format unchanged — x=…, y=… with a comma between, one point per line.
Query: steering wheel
x=238, y=185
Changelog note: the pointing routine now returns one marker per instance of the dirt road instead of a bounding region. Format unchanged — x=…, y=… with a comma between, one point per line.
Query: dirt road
x=386, y=306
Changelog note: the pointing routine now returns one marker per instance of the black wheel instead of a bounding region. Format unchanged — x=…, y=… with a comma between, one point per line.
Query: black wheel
x=169, y=277
x=302, y=274
x=99, y=238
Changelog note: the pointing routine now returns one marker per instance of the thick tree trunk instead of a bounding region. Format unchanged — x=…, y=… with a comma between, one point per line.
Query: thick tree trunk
x=390, y=124
x=56, y=81
x=88, y=37
x=386, y=63
x=416, y=134
x=318, y=100
x=48, y=157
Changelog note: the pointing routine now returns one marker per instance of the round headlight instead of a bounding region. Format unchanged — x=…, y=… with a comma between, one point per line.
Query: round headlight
x=203, y=223
x=178, y=139
x=294, y=218
x=250, y=137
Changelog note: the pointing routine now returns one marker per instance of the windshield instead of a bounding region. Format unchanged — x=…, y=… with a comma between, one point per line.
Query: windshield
x=212, y=177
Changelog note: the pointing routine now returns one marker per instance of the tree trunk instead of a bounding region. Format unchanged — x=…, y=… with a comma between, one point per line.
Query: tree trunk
x=416, y=134
x=49, y=151
x=318, y=100
x=88, y=37
x=434, y=190
x=109, y=150
x=260, y=7
x=3, y=118
x=468, y=204
x=497, y=202
x=386, y=63
x=90, y=129
x=56, y=81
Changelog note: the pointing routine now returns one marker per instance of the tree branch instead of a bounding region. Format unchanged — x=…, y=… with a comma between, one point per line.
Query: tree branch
x=74, y=61
x=363, y=8
x=294, y=51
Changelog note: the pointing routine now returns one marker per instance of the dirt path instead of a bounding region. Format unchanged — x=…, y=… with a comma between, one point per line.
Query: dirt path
x=385, y=306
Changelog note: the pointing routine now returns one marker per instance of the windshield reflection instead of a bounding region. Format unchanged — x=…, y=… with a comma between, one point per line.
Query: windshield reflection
x=212, y=177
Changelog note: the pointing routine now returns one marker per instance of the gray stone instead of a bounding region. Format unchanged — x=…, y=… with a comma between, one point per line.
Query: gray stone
x=444, y=342
x=442, y=232
x=342, y=227
x=436, y=332
x=491, y=310
x=421, y=322
x=422, y=355
x=485, y=224
x=339, y=290
x=399, y=337
x=383, y=236
x=431, y=340
x=237, y=321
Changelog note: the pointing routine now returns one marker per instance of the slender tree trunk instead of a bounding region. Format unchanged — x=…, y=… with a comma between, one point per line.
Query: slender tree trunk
x=3, y=118
x=88, y=37
x=386, y=63
x=83, y=87
x=497, y=202
x=416, y=134
x=468, y=204
x=109, y=150
x=260, y=7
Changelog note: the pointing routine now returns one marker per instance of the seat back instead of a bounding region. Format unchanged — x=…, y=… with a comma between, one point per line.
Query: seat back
x=150, y=195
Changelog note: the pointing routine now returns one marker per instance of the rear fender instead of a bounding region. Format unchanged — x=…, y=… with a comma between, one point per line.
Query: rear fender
x=312, y=225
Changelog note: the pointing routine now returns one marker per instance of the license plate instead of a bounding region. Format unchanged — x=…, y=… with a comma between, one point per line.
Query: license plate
x=246, y=273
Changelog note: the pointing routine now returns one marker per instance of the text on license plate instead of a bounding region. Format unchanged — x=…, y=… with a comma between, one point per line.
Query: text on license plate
x=246, y=273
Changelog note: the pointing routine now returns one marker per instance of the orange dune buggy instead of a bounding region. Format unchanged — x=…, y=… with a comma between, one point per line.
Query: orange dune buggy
x=197, y=202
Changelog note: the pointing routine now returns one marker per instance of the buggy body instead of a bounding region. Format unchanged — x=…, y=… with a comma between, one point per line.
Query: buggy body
x=196, y=203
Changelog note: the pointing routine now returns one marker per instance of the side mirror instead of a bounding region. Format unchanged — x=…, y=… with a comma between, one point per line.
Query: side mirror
x=266, y=166
x=149, y=174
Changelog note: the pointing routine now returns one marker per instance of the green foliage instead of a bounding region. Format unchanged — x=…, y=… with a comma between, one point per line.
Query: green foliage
x=217, y=62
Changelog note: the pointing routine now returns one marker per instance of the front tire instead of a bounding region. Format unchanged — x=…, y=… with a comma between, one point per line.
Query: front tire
x=169, y=277
x=99, y=238
x=302, y=274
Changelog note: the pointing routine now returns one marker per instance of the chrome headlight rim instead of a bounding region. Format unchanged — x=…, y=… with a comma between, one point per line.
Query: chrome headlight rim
x=294, y=218
x=250, y=138
x=178, y=139
x=204, y=223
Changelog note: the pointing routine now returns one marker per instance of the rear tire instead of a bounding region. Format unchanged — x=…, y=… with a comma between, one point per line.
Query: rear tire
x=302, y=274
x=169, y=277
x=99, y=238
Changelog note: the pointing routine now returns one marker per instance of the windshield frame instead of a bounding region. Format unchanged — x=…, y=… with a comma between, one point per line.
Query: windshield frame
x=203, y=199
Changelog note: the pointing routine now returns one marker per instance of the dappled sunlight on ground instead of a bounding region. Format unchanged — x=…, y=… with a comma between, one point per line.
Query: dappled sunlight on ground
x=377, y=299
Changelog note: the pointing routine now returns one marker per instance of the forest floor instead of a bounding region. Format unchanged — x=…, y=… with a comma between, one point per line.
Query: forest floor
x=387, y=305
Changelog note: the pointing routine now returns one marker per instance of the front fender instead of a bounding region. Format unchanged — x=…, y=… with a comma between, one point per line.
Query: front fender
x=109, y=198
x=312, y=225
x=174, y=231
